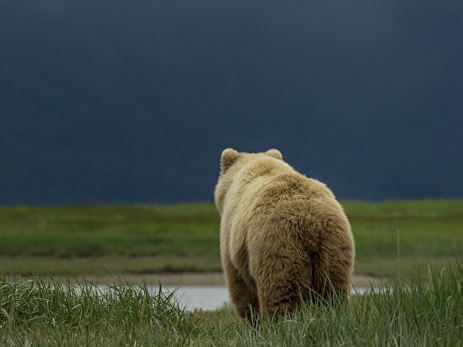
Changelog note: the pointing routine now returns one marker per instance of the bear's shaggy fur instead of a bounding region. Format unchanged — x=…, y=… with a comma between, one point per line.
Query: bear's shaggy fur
x=283, y=236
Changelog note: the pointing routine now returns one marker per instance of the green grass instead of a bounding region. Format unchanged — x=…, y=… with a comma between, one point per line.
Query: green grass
x=391, y=237
x=102, y=230
x=394, y=237
x=39, y=313
x=425, y=310
x=102, y=239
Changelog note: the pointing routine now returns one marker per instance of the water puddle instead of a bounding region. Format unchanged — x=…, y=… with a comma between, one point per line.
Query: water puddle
x=206, y=298
x=201, y=298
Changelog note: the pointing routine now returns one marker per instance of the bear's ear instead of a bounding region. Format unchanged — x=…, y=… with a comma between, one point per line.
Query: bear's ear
x=229, y=156
x=275, y=153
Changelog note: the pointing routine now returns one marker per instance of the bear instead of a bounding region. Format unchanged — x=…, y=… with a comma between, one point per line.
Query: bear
x=284, y=238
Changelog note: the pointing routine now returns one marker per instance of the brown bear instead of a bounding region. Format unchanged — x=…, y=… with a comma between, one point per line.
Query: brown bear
x=283, y=236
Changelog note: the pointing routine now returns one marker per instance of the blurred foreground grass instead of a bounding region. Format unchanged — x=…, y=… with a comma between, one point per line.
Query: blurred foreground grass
x=391, y=237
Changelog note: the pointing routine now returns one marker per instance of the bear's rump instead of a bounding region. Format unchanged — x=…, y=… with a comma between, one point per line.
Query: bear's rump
x=299, y=245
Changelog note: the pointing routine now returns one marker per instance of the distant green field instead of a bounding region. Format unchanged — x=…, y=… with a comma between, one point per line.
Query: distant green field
x=391, y=237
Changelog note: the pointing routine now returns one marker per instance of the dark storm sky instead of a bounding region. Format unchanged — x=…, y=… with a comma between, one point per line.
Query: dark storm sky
x=133, y=101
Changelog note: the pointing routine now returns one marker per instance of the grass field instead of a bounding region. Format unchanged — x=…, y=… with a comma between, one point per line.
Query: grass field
x=391, y=238
x=423, y=311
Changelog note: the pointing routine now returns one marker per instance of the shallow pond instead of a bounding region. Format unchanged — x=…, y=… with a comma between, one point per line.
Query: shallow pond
x=205, y=298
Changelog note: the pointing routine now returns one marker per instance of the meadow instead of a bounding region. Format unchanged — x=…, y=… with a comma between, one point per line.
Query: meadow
x=418, y=245
x=425, y=310
x=391, y=238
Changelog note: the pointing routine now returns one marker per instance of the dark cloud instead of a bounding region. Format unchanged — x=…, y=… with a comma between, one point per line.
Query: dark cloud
x=134, y=101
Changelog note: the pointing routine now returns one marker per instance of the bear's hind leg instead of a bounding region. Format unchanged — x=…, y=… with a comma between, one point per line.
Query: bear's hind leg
x=336, y=288
x=242, y=294
x=281, y=288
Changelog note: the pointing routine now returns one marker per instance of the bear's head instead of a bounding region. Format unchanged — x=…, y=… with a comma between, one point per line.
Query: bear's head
x=230, y=157
x=231, y=162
